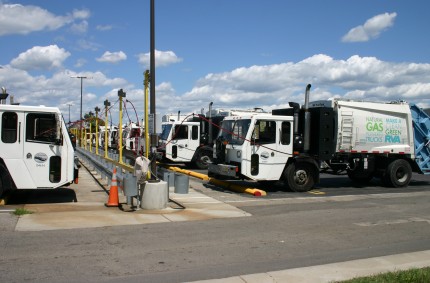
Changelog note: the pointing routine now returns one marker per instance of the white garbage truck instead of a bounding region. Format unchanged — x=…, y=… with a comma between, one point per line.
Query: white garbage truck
x=36, y=151
x=189, y=139
x=365, y=139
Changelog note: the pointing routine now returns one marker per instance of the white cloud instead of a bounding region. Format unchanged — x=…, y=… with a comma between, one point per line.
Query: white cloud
x=88, y=45
x=270, y=86
x=112, y=57
x=80, y=62
x=103, y=27
x=162, y=58
x=81, y=14
x=40, y=58
x=60, y=88
x=20, y=19
x=80, y=27
x=371, y=29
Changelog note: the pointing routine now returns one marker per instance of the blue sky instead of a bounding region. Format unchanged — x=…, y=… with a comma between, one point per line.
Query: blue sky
x=235, y=53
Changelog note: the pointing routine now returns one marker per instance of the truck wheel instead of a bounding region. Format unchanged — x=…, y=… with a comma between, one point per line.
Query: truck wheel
x=204, y=157
x=300, y=176
x=398, y=174
x=1, y=185
x=5, y=180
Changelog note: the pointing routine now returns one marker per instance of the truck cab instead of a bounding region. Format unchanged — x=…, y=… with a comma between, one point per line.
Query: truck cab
x=253, y=147
x=179, y=140
x=35, y=148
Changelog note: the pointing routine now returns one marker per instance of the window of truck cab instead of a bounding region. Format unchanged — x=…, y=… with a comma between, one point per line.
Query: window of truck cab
x=41, y=128
x=234, y=131
x=9, y=127
x=264, y=132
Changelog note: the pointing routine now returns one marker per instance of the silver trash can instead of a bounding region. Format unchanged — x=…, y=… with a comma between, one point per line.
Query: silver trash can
x=182, y=184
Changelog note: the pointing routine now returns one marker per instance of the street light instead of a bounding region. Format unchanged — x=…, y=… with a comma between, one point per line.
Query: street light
x=69, y=104
x=80, y=127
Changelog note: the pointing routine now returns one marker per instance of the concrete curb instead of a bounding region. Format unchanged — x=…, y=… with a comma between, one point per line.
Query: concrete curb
x=336, y=271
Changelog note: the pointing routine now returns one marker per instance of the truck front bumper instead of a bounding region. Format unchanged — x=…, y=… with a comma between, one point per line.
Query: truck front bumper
x=223, y=170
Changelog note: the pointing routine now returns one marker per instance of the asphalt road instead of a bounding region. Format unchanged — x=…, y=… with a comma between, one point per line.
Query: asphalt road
x=336, y=222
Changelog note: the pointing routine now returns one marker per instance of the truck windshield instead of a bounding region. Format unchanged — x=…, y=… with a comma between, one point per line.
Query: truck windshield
x=165, y=131
x=234, y=131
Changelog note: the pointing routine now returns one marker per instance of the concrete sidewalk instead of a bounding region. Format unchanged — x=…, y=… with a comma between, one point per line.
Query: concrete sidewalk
x=86, y=209
x=335, y=271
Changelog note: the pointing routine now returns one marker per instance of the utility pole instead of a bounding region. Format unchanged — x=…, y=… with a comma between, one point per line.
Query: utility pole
x=154, y=139
x=69, y=104
x=80, y=116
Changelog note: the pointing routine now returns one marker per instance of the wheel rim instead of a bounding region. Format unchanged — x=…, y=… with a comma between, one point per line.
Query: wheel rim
x=300, y=177
x=401, y=175
x=205, y=159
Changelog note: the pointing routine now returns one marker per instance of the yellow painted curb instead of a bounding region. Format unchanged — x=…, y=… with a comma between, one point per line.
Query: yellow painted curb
x=227, y=185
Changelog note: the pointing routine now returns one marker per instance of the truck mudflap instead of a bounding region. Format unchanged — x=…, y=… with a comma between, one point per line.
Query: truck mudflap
x=421, y=122
x=223, y=170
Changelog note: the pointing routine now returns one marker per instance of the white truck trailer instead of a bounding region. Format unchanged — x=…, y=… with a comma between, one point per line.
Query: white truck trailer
x=35, y=149
x=365, y=139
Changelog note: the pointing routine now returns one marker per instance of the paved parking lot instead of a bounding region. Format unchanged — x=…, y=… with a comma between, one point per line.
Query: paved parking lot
x=82, y=205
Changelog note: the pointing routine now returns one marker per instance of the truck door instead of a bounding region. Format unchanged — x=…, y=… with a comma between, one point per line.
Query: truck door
x=12, y=145
x=43, y=149
x=270, y=147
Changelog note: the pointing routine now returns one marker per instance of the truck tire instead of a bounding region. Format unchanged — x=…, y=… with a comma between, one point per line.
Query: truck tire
x=1, y=186
x=203, y=158
x=398, y=174
x=5, y=180
x=300, y=176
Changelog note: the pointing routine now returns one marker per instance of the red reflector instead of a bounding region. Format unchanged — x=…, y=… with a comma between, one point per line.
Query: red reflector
x=237, y=169
x=353, y=151
x=401, y=152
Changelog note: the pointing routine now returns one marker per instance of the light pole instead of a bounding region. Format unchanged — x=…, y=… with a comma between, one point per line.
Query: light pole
x=69, y=104
x=80, y=117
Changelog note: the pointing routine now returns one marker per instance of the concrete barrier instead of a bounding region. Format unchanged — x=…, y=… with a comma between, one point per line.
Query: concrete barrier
x=154, y=195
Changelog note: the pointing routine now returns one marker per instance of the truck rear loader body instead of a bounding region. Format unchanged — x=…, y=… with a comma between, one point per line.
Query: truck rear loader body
x=365, y=139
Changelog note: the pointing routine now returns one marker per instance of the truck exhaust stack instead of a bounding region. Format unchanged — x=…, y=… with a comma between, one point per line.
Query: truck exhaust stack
x=307, y=130
x=210, y=123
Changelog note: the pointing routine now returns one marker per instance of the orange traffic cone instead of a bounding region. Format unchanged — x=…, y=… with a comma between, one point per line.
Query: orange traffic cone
x=113, y=192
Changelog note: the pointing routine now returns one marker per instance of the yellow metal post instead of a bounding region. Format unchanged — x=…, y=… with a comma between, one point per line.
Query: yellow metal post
x=107, y=104
x=81, y=137
x=91, y=138
x=97, y=130
x=85, y=138
x=146, y=84
x=121, y=95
